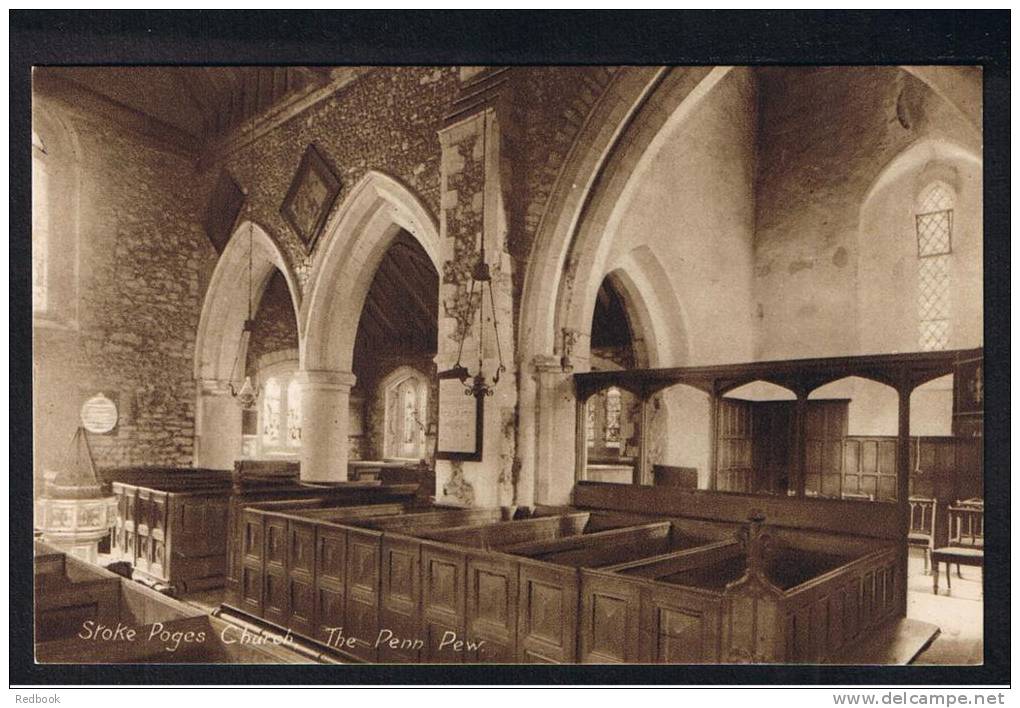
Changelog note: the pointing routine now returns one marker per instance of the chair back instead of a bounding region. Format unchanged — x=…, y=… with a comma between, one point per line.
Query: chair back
x=967, y=525
x=922, y=515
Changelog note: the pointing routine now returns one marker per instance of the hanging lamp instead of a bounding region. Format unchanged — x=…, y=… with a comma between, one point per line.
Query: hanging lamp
x=481, y=277
x=247, y=396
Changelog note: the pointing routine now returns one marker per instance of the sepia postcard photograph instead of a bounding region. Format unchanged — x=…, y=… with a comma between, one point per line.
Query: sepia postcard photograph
x=534, y=361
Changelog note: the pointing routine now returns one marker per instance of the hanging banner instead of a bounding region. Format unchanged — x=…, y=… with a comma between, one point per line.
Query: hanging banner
x=99, y=414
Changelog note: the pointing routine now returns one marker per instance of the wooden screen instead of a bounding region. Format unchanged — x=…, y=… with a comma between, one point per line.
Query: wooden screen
x=735, y=439
x=825, y=427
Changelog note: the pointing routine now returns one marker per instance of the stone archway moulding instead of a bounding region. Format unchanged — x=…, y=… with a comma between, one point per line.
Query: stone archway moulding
x=226, y=301
x=220, y=327
x=356, y=240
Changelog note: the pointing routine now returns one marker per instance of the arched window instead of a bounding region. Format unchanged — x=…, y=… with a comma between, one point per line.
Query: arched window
x=55, y=187
x=934, y=226
x=406, y=411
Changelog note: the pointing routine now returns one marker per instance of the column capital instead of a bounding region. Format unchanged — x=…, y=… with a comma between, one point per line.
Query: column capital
x=544, y=364
x=325, y=379
x=213, y=387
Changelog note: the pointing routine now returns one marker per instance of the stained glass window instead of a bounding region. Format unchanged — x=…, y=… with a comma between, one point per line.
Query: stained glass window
x=934, y=226
x=271, y=413
x=613, y=412
x=294, y=413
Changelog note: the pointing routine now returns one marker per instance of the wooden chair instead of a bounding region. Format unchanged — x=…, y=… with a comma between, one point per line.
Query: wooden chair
x=922, y=526
x=966, y=541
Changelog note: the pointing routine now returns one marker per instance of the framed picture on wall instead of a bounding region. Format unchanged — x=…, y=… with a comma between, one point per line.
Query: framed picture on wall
x=310, y=197
x=460, y=420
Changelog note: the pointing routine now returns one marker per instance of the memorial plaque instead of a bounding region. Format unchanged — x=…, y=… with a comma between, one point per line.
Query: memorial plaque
x=460, y=421
x=99, y=414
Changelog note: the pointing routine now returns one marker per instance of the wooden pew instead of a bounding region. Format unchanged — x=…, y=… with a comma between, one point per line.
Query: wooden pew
x=499, y=534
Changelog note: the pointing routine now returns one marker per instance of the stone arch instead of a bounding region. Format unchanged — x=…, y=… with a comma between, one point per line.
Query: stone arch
x=219, y=340
x=226, y=300
x=355, y=241
x=610, y=116
x=654, y=311
x=572, y=253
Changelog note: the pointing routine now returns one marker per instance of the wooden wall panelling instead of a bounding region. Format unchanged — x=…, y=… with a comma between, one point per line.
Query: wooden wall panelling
x=143, y=547
x=547, y=613
x=491, y=602
x=361, y=613
x=330, y=587
x=400, y=604
x=301, y=567
x=679, y=626
x=610, y=618
x=62, y=608
x=275, y=598
x=252, y=562
x=826, y=613
x=443, y=600
x=159, y=565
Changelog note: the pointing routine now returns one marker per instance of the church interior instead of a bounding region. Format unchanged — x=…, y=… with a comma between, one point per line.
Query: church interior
x=509, y=364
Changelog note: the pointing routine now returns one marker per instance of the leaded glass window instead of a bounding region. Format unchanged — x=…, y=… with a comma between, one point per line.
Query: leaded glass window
x=934, y=228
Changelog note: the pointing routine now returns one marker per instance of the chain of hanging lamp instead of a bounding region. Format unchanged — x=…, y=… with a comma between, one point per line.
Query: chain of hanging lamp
x=248, y=394
x=481, y=275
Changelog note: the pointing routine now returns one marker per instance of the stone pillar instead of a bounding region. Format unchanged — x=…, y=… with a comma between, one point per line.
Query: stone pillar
x=217, y=427
x=474, y=188
x=325, y=410
x=554, y=424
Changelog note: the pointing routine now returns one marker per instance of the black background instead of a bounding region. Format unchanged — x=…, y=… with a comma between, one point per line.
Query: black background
x=518, y=37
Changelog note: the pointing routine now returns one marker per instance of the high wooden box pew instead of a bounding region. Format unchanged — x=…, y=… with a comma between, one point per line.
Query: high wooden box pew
x=339, y=494
x=826, y=576
x=173, y=525
x=707, y=605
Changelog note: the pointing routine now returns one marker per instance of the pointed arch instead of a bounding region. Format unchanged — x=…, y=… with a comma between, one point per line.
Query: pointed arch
x=655, y=312
x=356, y=239
x=226, y=301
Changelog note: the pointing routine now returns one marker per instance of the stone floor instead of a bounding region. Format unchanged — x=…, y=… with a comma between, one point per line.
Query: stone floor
x=958, y=613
